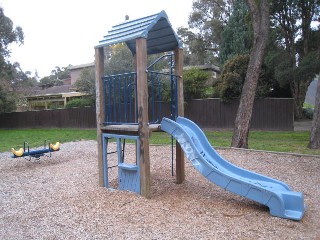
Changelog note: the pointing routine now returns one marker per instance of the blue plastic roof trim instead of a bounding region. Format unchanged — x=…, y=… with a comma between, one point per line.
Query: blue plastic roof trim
x=155, y=28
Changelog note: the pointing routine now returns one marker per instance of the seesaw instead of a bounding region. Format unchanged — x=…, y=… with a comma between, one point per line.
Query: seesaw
x=26, y=152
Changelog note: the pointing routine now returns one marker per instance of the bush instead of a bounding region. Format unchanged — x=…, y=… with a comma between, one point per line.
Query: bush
x=308, y=112
x=232, y=77
x=81, y=102
x=195, y=83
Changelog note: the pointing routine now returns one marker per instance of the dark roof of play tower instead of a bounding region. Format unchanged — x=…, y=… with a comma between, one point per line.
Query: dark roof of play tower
x=155, y=28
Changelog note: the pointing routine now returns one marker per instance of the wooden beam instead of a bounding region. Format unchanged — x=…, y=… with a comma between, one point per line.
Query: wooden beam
x=132, y=129
x=143, y=129
x=180, y=163
x=99, y=69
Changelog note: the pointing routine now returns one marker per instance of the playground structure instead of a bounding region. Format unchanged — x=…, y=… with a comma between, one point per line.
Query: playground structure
x=128, y=104
x=129, y=107
x=37, y=153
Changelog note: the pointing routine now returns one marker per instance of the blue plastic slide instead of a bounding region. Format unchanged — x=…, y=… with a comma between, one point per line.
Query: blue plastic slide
x=278, y=196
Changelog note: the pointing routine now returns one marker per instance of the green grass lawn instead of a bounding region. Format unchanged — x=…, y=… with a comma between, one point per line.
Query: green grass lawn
x=295, y=142
x=36, y=137
x=270, y=141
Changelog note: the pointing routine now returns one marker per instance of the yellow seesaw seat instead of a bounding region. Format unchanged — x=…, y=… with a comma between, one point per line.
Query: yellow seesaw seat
x=55, y=147
x=18, y=153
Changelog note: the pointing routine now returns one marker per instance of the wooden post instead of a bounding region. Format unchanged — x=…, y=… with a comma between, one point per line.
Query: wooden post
x=142, y=96
x=180, y=164
x=99, y=67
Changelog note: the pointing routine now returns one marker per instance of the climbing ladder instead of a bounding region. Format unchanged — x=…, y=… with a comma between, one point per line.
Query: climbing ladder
x=128, y=171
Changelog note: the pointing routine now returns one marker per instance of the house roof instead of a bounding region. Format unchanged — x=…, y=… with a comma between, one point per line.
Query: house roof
x=155, y=28
x=205, y=67
x=86, y=65
x=56, y=95
x=52, y=90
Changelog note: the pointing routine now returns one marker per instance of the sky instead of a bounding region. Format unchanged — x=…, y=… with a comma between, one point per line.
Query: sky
x=63, y=32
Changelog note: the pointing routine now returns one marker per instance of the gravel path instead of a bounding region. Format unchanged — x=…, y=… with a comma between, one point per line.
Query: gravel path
x=59, y=198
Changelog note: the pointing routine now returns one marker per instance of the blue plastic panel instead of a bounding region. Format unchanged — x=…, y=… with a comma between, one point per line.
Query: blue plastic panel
x=128, y=174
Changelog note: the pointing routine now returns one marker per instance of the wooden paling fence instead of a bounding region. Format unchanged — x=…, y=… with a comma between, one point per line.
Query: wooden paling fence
x=58, y=118
x=268, y=114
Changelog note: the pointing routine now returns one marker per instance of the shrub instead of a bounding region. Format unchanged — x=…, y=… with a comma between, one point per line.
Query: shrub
x=80, y=102
x=308, y=112
x=195, y=83
x=232, y=77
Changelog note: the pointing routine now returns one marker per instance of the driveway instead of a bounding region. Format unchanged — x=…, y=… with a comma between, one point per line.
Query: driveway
x=303, y=125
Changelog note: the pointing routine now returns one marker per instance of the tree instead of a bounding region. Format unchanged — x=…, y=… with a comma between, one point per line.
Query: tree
x=231, y=80
x=7, y=102
x=22, y=85
x=119, y=60
x=206, y=23
x=60, y=73
x=259, y=12
x=195, y=83
x=232, y=77
x=8, y=35
x=315, y=129
x=314, y=142
x=295, y=46
x=236, y=37
x=195, y=51
x=56, y=78
x=86, y=83
x=22, y=82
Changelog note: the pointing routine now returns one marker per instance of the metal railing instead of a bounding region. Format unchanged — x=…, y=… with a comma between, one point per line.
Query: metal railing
x=120, y=99
x=162, y=89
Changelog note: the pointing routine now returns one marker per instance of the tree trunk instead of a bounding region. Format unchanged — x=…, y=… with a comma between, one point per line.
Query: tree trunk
x=298, y=90
x=260, y=21
x=299, y=86
x=315, y=129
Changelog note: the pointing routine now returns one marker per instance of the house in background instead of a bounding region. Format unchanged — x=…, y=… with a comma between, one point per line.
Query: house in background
x=210, y=68
x=57, y=96
x=75, y=71
x=213, y=70
x=53, y=97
